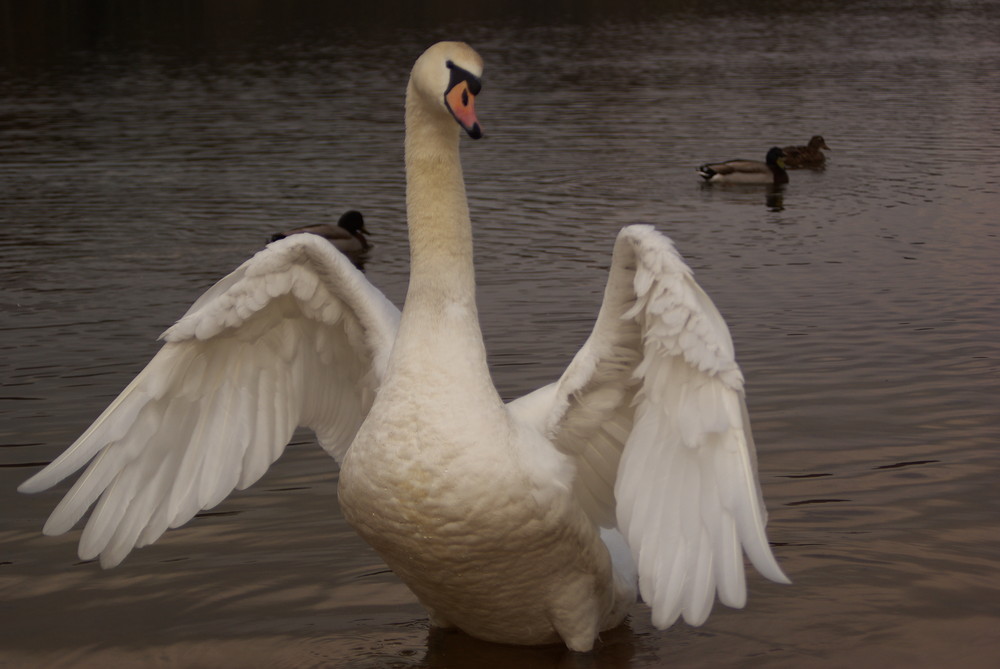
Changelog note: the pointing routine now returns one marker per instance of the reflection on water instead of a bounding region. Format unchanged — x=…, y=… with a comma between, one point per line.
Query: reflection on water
x=772, y=196
x=146, y=151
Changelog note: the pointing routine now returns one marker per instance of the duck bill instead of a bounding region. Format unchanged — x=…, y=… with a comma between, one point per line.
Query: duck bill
x=462, y=105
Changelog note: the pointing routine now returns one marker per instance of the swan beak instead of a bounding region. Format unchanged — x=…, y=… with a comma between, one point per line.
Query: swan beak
x=461, y=102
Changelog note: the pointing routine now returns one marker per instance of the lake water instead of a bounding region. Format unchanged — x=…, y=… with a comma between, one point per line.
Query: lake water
x=146, y=149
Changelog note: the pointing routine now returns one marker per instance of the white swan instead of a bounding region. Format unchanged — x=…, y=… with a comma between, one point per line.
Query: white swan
x=501, y=518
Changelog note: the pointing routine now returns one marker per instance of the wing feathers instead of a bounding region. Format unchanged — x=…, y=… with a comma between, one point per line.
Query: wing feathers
x=655, y=397
x=109, y=427
x=692, y=390
x=258, y=456
x=296, y=335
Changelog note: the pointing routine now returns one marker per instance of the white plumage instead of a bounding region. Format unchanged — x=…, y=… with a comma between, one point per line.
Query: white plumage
x=525, y=523
x=295, y=336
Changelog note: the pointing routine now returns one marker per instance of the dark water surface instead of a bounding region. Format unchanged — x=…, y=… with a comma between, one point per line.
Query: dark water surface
x=146, y=149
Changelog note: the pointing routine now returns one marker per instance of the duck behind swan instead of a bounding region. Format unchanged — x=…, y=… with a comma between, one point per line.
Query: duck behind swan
x=348, y=235
x=528, y=522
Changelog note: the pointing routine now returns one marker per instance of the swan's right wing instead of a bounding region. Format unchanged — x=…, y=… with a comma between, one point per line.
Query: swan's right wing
x=651, y=412
x=296, y=336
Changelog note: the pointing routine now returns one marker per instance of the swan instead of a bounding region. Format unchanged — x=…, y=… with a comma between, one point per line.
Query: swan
x=807, y=156
x=535, y=521
x=771, y=171
x=348, y=235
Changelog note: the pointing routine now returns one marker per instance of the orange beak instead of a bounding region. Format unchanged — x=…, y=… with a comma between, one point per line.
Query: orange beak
x=462, y=104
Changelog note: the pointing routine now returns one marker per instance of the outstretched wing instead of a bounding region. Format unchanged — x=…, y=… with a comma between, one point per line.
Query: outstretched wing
x=652, y=411
x=294, y=336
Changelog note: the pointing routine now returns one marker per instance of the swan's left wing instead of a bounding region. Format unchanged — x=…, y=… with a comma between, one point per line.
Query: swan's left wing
x=651, y=409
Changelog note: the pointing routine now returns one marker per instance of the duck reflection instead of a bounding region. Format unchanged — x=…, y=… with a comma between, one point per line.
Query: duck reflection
x=774, y=194
x=774, y=198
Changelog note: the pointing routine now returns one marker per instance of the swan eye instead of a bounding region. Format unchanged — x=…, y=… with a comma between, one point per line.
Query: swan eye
x=460, y=98
x=459, y=74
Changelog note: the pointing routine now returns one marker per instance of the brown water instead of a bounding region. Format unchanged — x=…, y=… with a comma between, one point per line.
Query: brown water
x=145, y=152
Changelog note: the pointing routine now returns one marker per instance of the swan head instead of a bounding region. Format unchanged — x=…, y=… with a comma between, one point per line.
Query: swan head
x=448, y=77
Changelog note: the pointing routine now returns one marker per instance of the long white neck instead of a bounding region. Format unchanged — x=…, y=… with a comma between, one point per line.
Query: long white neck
x=436, y=208
x=439, y=333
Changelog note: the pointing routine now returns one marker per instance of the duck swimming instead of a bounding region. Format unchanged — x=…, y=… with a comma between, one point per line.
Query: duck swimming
x=807, y=156
x=528, y=522
x=348, y=235
x=771, y=171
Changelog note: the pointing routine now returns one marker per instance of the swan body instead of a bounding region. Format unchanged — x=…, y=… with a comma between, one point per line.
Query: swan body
x=810, y=155
x=529, y=522
x=771, y=171
x=348, y=235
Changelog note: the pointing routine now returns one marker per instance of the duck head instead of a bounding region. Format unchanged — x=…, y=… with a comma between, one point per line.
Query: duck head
x=775, y=157
x=817, y=142
x=353, y=222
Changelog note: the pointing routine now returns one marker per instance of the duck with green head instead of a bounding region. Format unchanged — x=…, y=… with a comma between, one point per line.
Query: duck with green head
x=771, y=171
x=348, y=235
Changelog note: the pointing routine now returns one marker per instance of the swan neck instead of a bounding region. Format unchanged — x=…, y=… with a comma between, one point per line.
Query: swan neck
x=436, y=207
x=439, y=335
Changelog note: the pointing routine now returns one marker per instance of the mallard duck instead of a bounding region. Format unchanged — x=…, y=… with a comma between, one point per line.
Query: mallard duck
x=806, y=156
x=771, y=171
x=348, y=235
x=526, y=522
